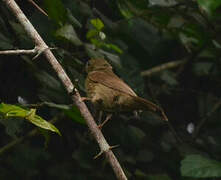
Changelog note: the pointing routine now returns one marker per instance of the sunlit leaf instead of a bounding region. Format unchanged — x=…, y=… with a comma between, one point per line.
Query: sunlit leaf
x=38, y=121
x=97, y=23
x=30, y=115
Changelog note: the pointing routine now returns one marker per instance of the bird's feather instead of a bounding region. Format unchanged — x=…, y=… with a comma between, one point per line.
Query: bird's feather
x=110, y=80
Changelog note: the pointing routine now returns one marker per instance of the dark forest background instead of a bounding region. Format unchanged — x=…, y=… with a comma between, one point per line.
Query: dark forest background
x=134, y=36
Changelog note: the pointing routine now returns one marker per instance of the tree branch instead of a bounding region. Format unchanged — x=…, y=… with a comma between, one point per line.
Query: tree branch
x=162, y=67
x=41, y=10
x=33, y=132
x=19, y=51
x=76, y=98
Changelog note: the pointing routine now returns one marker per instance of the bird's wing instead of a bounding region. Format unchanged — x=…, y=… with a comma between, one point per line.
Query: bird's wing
x=111, y=80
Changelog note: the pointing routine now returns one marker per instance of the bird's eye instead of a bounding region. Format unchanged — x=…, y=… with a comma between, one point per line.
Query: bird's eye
x=88, y=63
x=87, y=66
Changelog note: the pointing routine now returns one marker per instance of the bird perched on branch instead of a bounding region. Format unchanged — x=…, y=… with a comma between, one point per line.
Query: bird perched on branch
x=109, y=93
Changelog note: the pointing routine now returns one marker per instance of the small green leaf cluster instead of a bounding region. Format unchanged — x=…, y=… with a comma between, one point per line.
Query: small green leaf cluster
x=10, y=111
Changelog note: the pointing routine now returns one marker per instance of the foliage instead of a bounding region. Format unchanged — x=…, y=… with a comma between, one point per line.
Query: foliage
x=10, y=111
x=134, y=36
x=200, y=167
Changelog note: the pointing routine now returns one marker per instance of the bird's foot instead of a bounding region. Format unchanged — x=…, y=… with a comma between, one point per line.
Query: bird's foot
x=105, y=121
x=85, y=99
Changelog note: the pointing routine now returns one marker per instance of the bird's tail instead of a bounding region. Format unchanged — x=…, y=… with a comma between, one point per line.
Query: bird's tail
x=148, y=105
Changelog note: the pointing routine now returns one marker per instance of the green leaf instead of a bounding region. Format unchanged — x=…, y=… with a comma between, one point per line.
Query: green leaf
x=38, y=121
x=92, y=33
x=198, y=166
x=113, y=47
x=30, y=115
x=98, y=24
x=96, y=42
x=75, y=115
x=209, y=6
x=100, y=44
x=68, y=33
x=56, y=11
x=10, y=110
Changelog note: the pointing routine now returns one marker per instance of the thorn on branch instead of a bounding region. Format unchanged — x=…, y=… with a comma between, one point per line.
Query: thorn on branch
x=102, y=151
x=40, y=50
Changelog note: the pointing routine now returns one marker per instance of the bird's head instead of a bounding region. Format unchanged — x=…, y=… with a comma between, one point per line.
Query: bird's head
x=97, y=65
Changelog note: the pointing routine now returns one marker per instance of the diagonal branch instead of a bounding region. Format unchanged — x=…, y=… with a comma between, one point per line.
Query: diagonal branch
x=76, y=98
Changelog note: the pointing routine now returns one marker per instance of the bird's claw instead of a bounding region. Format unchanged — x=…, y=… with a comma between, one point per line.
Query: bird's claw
x=105, y=121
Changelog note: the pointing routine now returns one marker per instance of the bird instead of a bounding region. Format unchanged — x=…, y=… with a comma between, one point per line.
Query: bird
x=109, y=93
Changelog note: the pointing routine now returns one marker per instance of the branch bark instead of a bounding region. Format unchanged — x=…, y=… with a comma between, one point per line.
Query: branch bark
x=18, y=52
x=162, y=67
x=76, y=98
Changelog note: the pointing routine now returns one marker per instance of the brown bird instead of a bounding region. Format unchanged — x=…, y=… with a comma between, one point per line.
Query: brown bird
x=111, y=94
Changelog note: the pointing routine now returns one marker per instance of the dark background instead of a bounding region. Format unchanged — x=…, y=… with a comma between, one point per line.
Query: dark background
x=139, y=35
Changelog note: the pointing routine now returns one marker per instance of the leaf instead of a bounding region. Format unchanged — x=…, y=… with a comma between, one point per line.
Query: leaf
x=98, y=24
x=75, y=114
x=209, y=6
x=56, y=11
x=30, y=115
x=68, y=33
x=113, y=47
x=92, y=33
x=198, y=166
x=38, y=121
x=9, y=110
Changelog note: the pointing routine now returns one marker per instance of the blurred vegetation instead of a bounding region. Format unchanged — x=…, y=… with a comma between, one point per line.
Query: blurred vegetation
x=134, y=36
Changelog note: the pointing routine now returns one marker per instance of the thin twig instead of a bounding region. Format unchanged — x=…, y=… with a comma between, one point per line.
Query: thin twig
x=19, y=51
x=162, y=67
x=41, y=10
x=76, y=98
x=33, y=132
